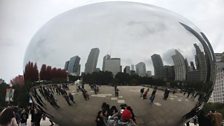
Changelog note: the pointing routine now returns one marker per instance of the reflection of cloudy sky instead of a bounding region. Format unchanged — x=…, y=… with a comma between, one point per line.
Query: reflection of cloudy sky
x=21, y=19
x=132, y=32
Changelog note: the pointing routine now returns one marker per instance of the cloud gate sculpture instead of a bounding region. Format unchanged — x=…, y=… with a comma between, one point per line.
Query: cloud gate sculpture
x=121, y=53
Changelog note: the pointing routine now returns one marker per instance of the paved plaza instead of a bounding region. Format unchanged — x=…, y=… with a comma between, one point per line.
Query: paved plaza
x=160, y=113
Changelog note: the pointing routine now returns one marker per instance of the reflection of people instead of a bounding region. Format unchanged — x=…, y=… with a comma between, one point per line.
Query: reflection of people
x=153, y=95
x=116, y=91
x=141, y=91
x=100, y=119
x=145, y=94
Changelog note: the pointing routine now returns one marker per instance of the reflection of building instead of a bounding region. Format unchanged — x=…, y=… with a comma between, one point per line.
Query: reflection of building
x=132, y=67
x=91, y=63
x=208, y=52
x=193, y=76
x=158, y=66
x=74, y=66
x=218, y=92
x=149, y=73
x=127, y=70
x=198, y=71
x=113, y=65
x=66, y=65
x=141, y=69
x=104, y=59
x=201, y=63
x=169, y=74
x=179, y=66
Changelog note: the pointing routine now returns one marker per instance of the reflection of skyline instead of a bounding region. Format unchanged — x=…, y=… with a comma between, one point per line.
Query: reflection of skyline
x=181, y=70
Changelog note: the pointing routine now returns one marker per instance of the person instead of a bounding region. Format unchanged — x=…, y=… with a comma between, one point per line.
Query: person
x=153, y=95
x=132, y=113
x=24, y=117
x=141, y=91
x=166, y=94
x=145, y=94
x=203, y=119
x=37, y=117
x=100, y=119
x=216, y=118
x=113, y=110
x=8, y=117
x=126, y=115
x=71, y=97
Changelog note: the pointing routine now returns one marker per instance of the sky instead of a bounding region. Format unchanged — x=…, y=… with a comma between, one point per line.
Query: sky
x=21, y=19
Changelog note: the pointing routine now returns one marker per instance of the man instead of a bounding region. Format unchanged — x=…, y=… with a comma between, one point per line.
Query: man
x=141, y=91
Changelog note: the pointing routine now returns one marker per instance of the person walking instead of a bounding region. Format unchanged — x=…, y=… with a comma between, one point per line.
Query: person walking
x=153, y=95
x=145, y=94
x=141, y=92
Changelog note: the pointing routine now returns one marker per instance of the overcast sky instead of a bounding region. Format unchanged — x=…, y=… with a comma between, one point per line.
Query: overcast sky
x=21, y=19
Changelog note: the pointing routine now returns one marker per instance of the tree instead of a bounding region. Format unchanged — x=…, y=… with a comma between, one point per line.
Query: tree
x=31, y=72
x=43, y=72
x=3, y=87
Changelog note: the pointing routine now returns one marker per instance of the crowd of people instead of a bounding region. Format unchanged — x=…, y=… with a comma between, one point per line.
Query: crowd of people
x=111, y=116
x=18, y=116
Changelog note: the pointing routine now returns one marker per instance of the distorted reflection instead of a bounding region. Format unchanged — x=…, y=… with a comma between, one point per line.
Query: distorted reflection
x=157, y=68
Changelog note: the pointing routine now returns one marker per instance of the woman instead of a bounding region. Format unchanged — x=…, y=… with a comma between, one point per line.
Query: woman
x=8, y=118
x=100, y=119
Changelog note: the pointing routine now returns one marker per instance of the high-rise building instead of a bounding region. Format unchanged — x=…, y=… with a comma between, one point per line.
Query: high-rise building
x=104, y=60
x=169, y=73
x=66, y=65
x=132, y=67
x=127, y=69
x=141, y=69
x=158, y=66
x=218, y=92
x=91, y=63
x=113, y=65
x=201, y=63
x=74, y=66
x=179, y=66
x=148, y=73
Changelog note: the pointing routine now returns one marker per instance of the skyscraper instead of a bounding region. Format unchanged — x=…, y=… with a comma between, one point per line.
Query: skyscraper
x=127, y=69
x=141, y=69
x=74, y=66
x=113, y=65
x=104, y=60
x=66, y=65
x=91, y=63
x=179, y=66
x=169, y=74
x=149, y=73
x=201, y=63
x=158, y=66
x=218, y=92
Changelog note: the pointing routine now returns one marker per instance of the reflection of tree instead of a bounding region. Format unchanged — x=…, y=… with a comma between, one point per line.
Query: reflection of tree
x=120, y=79
x=31, y=72
x=98, y=78
x=52, y=74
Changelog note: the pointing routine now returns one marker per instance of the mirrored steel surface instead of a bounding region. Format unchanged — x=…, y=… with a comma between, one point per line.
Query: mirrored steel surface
x=176, y=51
